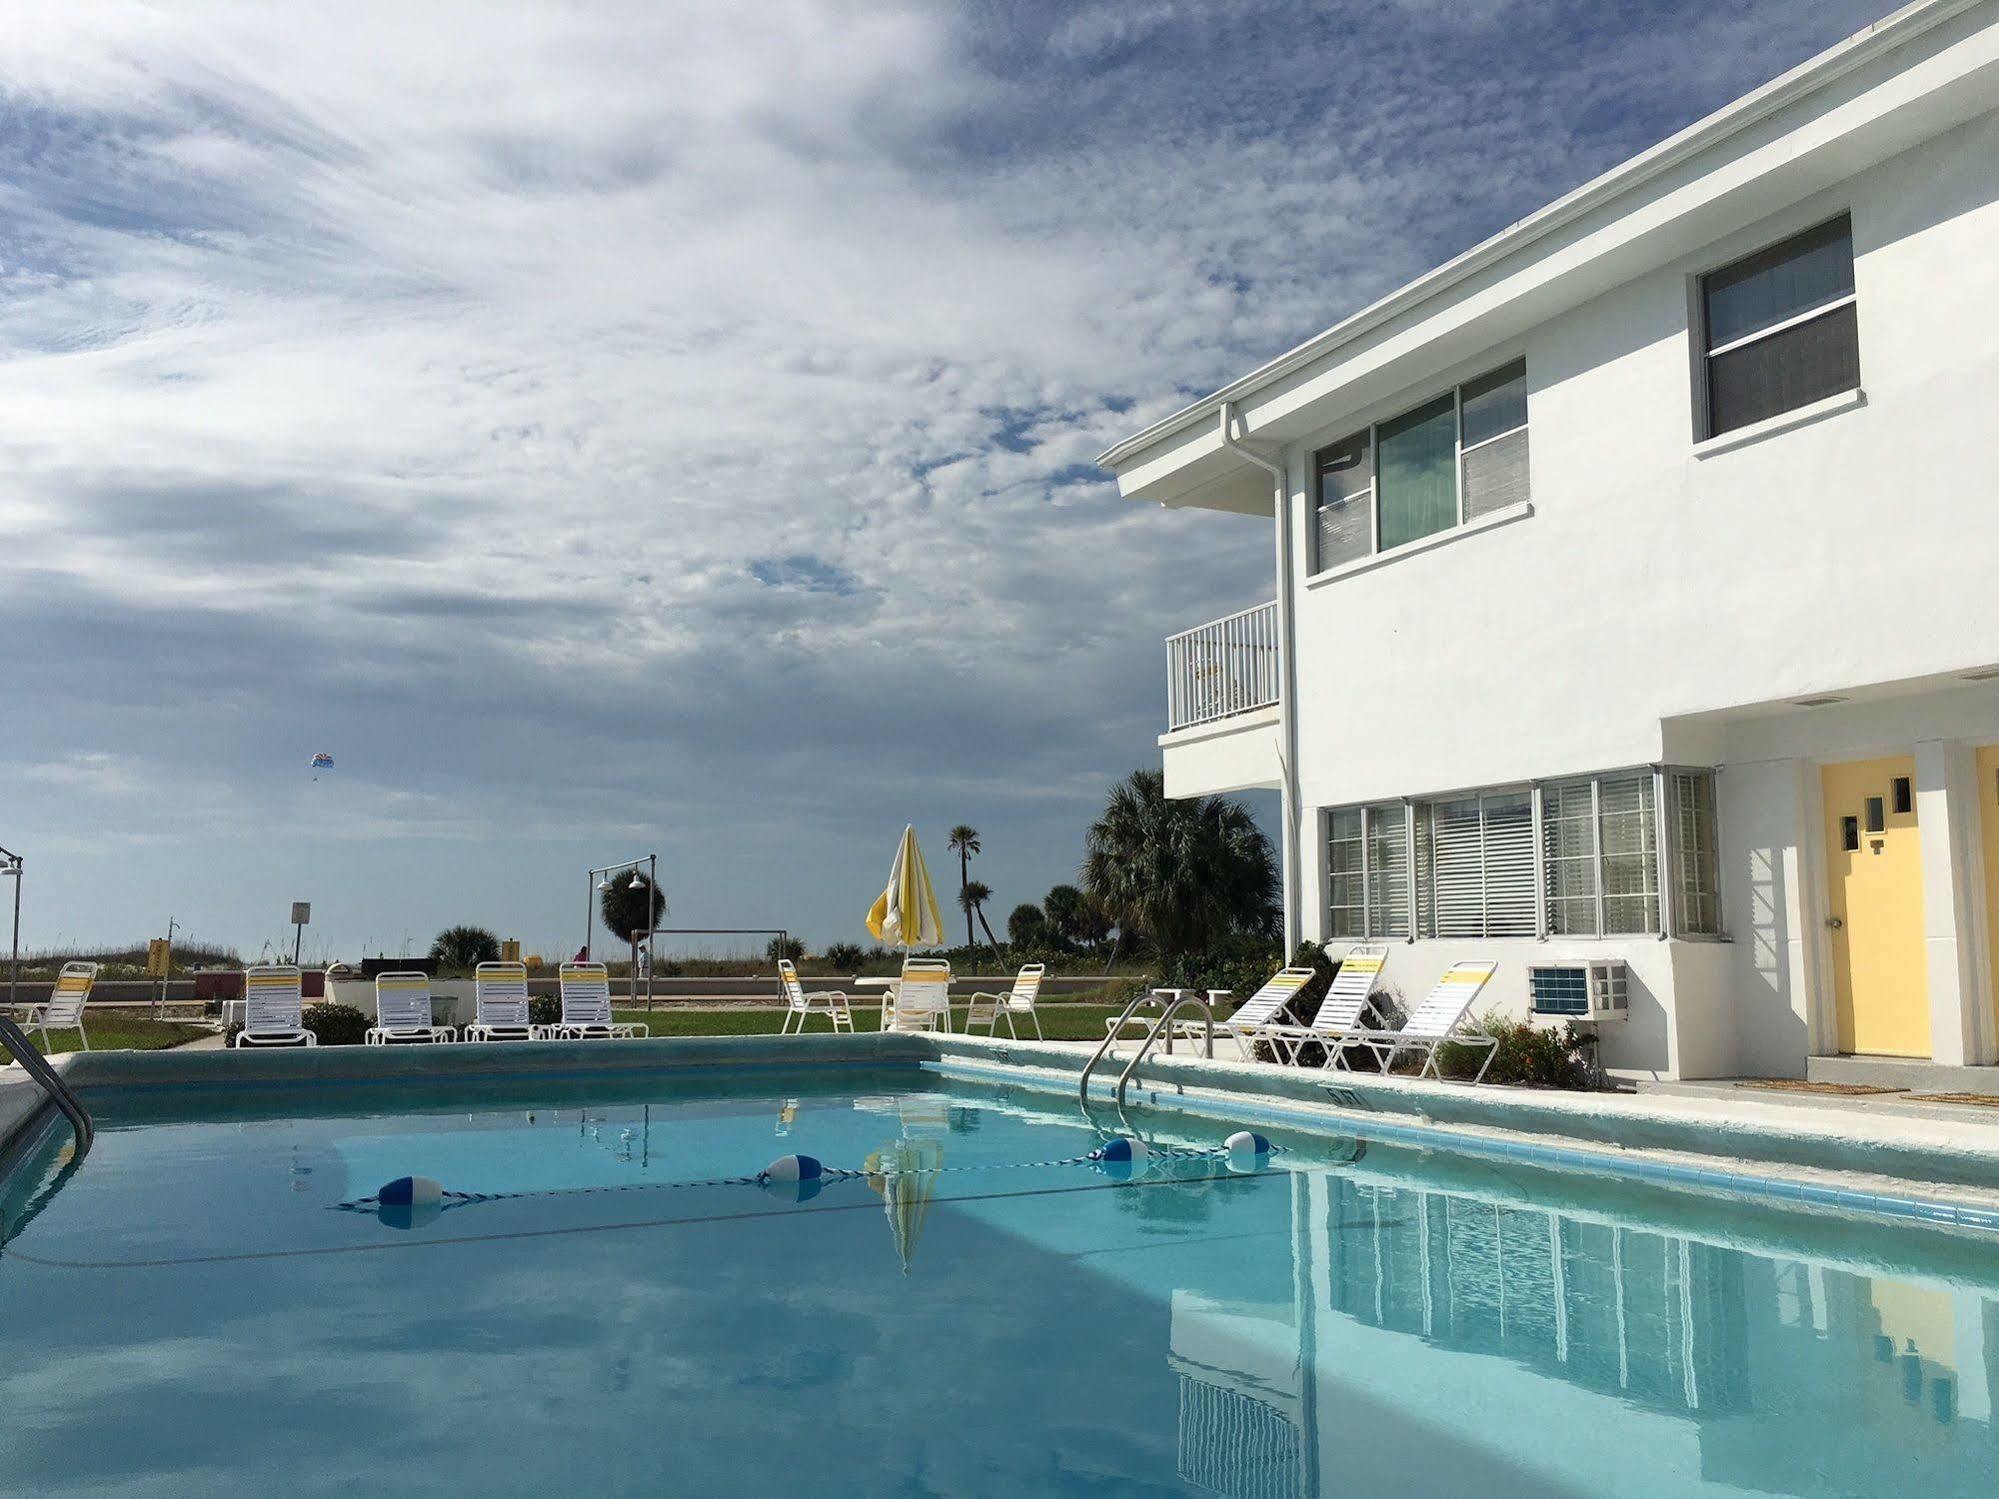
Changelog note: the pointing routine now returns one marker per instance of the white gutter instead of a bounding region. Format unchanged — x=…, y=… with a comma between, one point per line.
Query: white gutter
x=1886, y=34
x=1287, y=723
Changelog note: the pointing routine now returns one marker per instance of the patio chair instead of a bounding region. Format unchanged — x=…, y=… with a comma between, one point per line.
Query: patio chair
x=500, y=1005
x=799, y=1004
x=402, y=1011
x=1019, y=1000
x=1350, y=996
x=922, y=1000
x=63, y=1009
x=1253, y=1016
x=1439, y=1021
x=273, y=1008
x=586, y=1007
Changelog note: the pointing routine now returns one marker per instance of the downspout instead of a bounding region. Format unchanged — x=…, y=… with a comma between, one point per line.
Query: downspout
x=1287, y=722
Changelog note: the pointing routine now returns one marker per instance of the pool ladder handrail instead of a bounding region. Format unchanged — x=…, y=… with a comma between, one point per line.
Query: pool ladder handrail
x=1111, y=1034
x=60, y=1094
x=1164, y=1025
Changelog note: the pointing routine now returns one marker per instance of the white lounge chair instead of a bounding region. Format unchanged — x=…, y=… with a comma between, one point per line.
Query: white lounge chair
x=63, y=1009
x=1348, y=998
x=1438, y=1021
x=402, y=1011
x=273, y=1008
x=1019, y=1000
x=800, y=1004
x=922, y=999
x=586, y=1007
x=500, y=1005
x=1252, y=1017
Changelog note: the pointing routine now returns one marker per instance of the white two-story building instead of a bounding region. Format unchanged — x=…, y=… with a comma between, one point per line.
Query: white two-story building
x=1637, y=584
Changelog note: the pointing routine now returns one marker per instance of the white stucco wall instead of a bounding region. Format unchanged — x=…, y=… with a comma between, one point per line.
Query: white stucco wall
x=1665, y=602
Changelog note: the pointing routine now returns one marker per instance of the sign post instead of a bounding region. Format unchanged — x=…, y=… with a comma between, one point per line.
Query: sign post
x=301, y=915
x=159, y=958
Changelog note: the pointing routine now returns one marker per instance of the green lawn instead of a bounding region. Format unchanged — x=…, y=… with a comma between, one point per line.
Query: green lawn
x=112, y=1031
x=1058, y=1022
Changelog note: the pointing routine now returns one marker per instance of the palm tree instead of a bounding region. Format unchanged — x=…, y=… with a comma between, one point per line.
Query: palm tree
x=1181, y=872
x=973, y=897
x=966, y=841
x=459, y=947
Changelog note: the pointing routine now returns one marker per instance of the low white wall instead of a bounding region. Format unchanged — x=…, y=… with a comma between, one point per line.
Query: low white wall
x=1640, y=1046
x=451, y=1000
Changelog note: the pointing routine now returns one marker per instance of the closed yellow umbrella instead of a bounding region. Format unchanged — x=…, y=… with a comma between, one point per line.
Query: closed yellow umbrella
x=906, y=912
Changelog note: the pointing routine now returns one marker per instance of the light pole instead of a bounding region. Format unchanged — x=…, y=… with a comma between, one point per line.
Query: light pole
x=600, y=879
x=10, y=866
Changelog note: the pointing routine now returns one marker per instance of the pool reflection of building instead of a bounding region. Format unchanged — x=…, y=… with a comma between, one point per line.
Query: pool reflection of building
x=1533, y=1315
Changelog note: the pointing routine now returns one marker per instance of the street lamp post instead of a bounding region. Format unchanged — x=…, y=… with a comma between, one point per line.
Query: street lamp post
x=600, y=879
x=10, y=866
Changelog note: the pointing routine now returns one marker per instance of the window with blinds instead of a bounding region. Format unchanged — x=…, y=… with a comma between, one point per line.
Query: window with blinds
x=1469, y=865
x=1367, y=872
x=1600, y=852
x=1452, y=459
x=1476, y=874
x=1344, y=527
x=1692, y=861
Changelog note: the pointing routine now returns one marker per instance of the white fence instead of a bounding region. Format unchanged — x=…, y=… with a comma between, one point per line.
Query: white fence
x=1221, y=668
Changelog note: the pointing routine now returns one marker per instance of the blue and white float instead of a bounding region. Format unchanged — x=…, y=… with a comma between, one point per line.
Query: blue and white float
x=1247, y=1151
x=1122, y=1157
x=409, y=1202
x=795, y=1178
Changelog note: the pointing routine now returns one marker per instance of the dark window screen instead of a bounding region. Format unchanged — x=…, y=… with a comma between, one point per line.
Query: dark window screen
x=1804, y=363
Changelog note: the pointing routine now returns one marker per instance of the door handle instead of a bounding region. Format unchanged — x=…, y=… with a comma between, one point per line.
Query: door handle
x=1834, y=922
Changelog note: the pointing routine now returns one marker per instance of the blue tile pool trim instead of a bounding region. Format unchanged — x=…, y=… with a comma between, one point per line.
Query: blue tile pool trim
x=1752, y=1185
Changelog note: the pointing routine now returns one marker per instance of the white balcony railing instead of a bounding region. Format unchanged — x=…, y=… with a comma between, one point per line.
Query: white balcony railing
x=1225, y=667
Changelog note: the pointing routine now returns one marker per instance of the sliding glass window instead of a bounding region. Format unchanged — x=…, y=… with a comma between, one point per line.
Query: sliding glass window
x=1456, y=457
x=1418, y=480
x=1781, y=328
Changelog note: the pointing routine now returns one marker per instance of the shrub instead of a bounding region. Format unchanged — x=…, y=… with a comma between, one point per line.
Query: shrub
x=844, y=956
x=331, y=1024
x=1527, y=1054
x=784, y=947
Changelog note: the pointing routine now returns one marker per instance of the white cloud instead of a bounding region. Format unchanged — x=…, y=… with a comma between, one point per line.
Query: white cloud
x=595, y=414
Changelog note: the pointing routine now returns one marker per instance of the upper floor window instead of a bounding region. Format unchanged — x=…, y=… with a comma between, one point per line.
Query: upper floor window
x=1456, y=457
x=1780, y=328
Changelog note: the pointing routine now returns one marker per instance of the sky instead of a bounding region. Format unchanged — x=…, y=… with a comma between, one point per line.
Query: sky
x=670, y=428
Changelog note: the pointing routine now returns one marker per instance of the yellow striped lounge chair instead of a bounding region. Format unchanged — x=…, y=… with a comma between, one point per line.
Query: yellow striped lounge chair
x=402, y=1011
x=63, y=1009
x=273, y=1008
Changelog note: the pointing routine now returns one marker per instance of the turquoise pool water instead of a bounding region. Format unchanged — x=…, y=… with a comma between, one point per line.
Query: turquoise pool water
x=195, y=1311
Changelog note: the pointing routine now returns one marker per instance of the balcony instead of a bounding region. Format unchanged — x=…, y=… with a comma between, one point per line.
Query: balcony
x=1221, y=669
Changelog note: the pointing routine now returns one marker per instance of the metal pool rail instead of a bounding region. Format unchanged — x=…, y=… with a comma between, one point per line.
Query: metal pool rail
x=37, y=1067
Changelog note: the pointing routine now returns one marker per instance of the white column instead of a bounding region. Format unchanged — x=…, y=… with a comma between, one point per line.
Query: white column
x=1944, y=797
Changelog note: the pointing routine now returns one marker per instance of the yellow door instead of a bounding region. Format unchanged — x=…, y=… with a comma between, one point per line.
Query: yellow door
x=1988, y=826
x=1874, y=878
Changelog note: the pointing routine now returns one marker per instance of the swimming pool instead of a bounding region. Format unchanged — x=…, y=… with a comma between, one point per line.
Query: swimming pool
x=212, y=1304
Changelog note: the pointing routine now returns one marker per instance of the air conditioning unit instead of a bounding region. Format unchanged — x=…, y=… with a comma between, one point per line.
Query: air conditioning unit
x=1580, y=988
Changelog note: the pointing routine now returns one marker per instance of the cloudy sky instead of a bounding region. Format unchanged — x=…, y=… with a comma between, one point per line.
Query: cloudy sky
x=670, y=426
